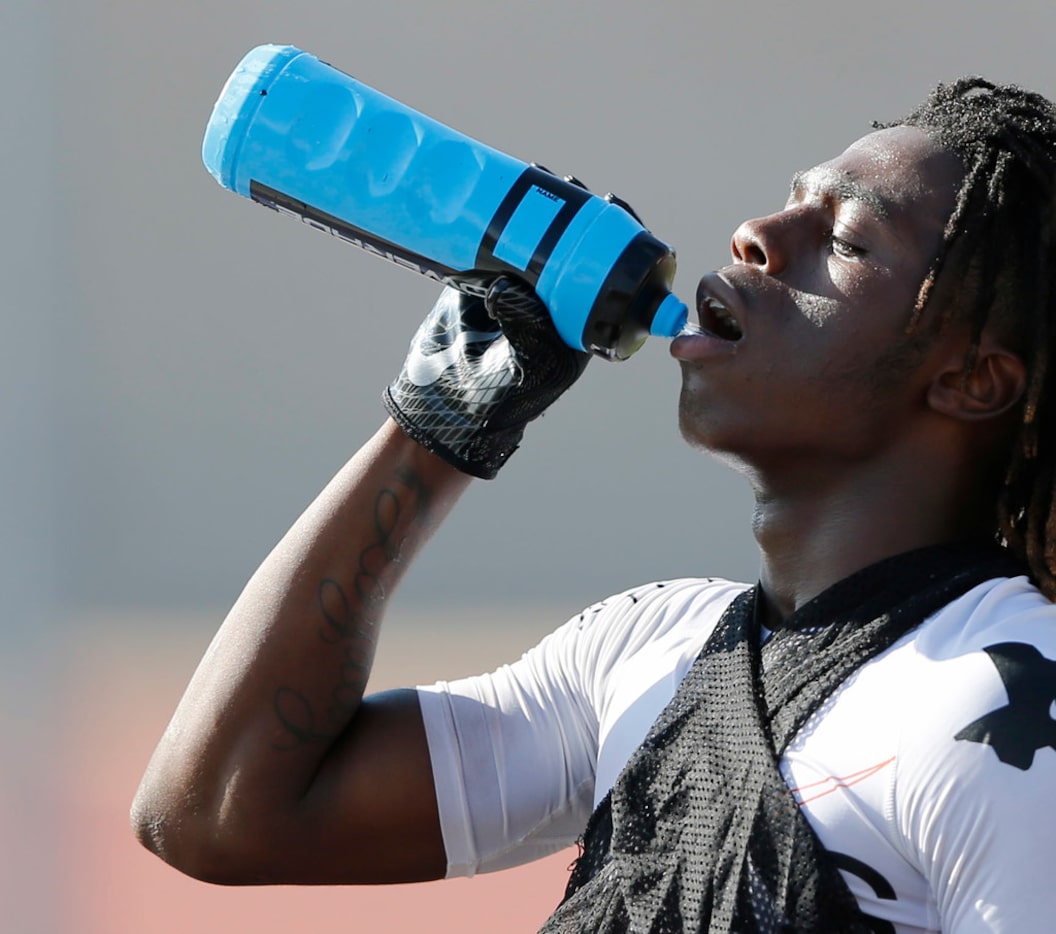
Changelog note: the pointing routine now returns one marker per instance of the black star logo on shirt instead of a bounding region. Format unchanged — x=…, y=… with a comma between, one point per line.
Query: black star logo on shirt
x=1026, y=724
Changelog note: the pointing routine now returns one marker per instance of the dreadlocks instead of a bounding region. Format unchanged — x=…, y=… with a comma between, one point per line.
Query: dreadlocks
x=998, y=247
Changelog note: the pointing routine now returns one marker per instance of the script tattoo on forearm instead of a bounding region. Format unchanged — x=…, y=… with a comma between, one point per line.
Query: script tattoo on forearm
x=350, y=617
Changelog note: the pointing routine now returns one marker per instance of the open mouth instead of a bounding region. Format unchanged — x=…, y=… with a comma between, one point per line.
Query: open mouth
x=717, y=320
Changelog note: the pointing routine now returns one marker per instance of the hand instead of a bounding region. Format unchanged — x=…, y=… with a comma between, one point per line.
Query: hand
x=478, y=370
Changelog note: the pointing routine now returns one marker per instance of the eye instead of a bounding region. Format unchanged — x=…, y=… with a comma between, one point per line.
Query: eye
x=842, y=247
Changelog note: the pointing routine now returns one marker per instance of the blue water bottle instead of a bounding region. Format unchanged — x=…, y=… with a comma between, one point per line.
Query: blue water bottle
x=299, y=136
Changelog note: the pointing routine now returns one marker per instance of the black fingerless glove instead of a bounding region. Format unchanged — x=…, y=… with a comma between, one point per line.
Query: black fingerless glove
x=478, y=370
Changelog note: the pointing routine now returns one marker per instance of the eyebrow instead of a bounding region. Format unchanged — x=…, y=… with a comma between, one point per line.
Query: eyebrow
x=840, y=184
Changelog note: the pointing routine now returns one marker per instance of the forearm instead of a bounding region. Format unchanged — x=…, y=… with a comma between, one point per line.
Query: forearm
x=310, y=615
x=284, y=677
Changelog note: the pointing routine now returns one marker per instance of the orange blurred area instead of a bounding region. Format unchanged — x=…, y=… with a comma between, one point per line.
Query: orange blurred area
x=123, y=682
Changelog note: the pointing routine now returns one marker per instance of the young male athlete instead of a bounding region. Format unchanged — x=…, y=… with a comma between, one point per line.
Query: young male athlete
x=863, y=741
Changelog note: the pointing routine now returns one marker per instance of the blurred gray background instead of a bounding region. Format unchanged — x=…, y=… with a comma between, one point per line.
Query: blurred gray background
x=183, y=370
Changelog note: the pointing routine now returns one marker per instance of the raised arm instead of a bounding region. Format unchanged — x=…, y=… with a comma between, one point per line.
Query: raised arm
x=274, y=768
x=261, y=776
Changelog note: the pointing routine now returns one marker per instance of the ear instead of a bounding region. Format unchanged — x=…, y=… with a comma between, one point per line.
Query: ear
x=995, y=384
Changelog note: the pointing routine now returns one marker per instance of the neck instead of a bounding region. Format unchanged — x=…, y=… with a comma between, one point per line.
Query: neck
x=814, y=533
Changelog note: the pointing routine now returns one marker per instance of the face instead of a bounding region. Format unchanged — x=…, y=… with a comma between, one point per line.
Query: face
x=802, y=347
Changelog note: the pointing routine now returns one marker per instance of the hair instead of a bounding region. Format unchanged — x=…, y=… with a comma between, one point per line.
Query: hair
x=998, y=258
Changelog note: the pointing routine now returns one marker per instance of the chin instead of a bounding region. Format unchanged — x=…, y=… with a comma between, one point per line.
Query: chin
x=698, y=433
x=696, y=421
x=690, y=433
x=728, y=448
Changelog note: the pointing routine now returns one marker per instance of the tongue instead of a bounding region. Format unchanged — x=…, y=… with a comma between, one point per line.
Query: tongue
x=722, y=328
x=728, y=331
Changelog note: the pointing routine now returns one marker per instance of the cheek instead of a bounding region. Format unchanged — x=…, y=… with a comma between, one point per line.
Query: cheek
x=857, y=280
x=818, y=310
x=841, y=289
x=881, y=285
x=878, y=296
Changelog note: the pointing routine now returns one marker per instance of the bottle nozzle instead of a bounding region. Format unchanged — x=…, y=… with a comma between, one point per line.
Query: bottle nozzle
x=670, y=317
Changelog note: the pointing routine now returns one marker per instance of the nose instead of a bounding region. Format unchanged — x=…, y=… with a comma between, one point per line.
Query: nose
x=762, y=242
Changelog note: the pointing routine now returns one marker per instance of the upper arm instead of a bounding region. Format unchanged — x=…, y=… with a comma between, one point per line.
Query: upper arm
x=978, y=812
x=368, y=815
x=371, y=813
x=989, y=851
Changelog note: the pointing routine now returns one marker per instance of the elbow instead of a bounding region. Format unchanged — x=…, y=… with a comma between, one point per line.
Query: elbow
x=193, y=840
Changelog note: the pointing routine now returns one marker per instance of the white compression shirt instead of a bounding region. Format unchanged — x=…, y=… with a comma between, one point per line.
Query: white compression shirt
x=930, y=773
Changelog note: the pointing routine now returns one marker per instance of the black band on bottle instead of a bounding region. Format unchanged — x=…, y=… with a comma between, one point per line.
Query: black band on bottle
x=532, y=177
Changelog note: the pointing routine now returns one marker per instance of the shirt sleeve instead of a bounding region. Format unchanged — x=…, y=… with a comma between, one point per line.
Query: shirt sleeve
x=513, y=755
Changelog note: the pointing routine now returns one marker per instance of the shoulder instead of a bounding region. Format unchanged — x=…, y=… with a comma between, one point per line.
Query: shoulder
x=956, y=711
x=990, y=646
x=578, y=658
x=629, y=639
x=627, y=622
x=996, y=609
x=660, y=604
x=976, y=655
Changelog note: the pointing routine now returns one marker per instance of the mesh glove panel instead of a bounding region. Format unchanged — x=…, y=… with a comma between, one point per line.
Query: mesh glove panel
x=478, y=370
